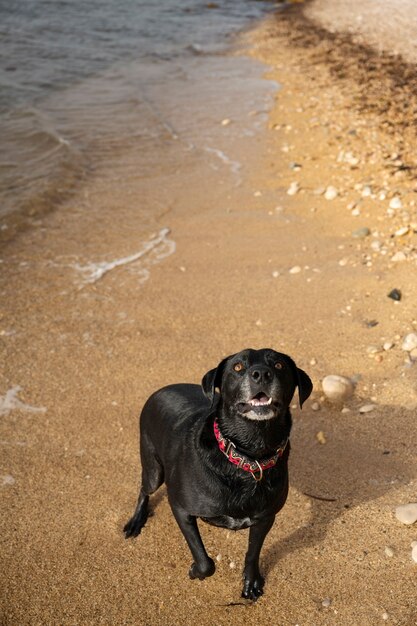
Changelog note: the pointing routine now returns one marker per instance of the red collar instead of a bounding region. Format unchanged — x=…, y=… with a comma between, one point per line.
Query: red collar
x=256, y=468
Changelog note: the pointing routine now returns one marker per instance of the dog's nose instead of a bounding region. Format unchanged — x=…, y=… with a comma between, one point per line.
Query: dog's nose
x=261, y=374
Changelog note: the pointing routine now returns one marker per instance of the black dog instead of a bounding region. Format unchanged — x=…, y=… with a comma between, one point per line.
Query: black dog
x=223, y=456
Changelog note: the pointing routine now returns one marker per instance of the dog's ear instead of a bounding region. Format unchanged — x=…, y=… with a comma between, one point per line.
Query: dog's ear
x=305, y=386
x=213, y=380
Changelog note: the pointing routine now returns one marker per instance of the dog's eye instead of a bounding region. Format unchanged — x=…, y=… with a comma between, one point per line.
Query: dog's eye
x=279, y=365
x=238, y=367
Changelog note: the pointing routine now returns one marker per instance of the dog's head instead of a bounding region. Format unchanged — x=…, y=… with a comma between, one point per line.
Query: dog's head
x=257, y=384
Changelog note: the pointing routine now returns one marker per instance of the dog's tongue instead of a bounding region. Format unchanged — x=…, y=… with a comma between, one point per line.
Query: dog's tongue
x=260, y=399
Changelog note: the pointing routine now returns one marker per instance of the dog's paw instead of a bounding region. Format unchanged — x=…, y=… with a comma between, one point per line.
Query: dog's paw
x=253, y=588
x=134, y=526
x=203, y=570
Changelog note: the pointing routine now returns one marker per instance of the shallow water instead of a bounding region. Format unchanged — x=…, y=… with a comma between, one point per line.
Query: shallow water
x=80, y=84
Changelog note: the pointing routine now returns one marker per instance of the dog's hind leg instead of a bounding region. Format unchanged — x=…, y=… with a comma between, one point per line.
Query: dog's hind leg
x=152, y=478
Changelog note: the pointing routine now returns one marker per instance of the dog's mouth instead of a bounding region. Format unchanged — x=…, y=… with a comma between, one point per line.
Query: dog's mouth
x=260, y=405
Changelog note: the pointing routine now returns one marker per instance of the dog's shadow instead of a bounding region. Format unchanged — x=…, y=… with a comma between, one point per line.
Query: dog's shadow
x=349, y=470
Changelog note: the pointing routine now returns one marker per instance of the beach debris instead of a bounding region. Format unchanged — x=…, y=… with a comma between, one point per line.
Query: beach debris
x=159, y=245
x=295, y=270
x=331, y=193
x=337, y=388
x=406, y=513
x=10, y=402
x=7, y=479
x=395, y=203
x=321, y=437
x=293, y=189
x=404, y=230
x=395, y=294
x=367, y=408
x=409, y=342
x=361, y=233
x=399, y=256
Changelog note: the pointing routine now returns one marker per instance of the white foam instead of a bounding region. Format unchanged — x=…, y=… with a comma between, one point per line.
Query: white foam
x=235, y=166
x=11, y=402
x=156, y=249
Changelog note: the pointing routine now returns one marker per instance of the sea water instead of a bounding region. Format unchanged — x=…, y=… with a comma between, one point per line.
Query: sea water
x=82, y=81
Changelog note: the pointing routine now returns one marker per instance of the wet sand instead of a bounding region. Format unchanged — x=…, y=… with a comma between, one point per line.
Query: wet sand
x=87, y=355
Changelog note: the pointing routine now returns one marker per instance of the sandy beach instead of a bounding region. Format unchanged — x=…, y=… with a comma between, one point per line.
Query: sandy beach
x=298, y=250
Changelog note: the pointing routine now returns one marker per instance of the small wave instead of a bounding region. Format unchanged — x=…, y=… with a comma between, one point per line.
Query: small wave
x=157, y=249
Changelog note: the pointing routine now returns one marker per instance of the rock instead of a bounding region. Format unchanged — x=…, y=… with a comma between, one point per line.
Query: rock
x=414, y=554
x=316, y=406
x=7, y=480
x=406, y=513
x=367, y=408
x=361, y=233
x=395, y=294
x=331, y=193
x=366, y=191
x=388, y=345
x=389, y=551
x=326, y=602
x=356, y=212
x=337, y=388
x=293, y=189
x=402, y=231
x=275, y=274
x=409, y=342
x=321, y=437
x=295, y=270
x=398, y=257
x=395, y=203
x=226, y=122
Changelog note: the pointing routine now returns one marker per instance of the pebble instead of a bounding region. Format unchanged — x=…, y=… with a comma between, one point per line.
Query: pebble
x=337, y=387
x=316, y=406
x=326, y=602
x=361, y=233
x=388, y=345
x=402, y=231
x=226, y=122
x=331, y=193
x=395, y=294
x=275, y=274
x=409, y=342
x=414, y=554
x=367, y=408
x=398, y=257
x=389, y=551
x=356, y=212
x=406, y=513
x=395, y=203
x=367, y=191
x=293, y=189
x=321, y=437
x=7, y=480
x=295, y=270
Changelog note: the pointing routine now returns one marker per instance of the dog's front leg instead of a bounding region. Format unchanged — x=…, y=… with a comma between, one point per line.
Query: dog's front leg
x=203, y=565
x=253, y=581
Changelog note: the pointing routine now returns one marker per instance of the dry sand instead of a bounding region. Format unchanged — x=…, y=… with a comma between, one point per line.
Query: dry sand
x=91, y=355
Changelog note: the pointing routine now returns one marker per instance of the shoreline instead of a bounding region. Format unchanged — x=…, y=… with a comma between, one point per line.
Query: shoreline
x=279, y=260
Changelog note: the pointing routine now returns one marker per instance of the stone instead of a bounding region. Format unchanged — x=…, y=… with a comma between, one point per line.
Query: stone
x=367, y=408
x=295, y=270
x=409, y=342
x=293, y=189
x=316, y=406
x=414, y=554
x=404, y=230
x=331, y=193
x=337, y=388
x=326, y=602
x=361, y=233
x=395, y=294
x=389, y=551
x=388, y=345
x=406, y=513
x=398, y=257
x=395, y=203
